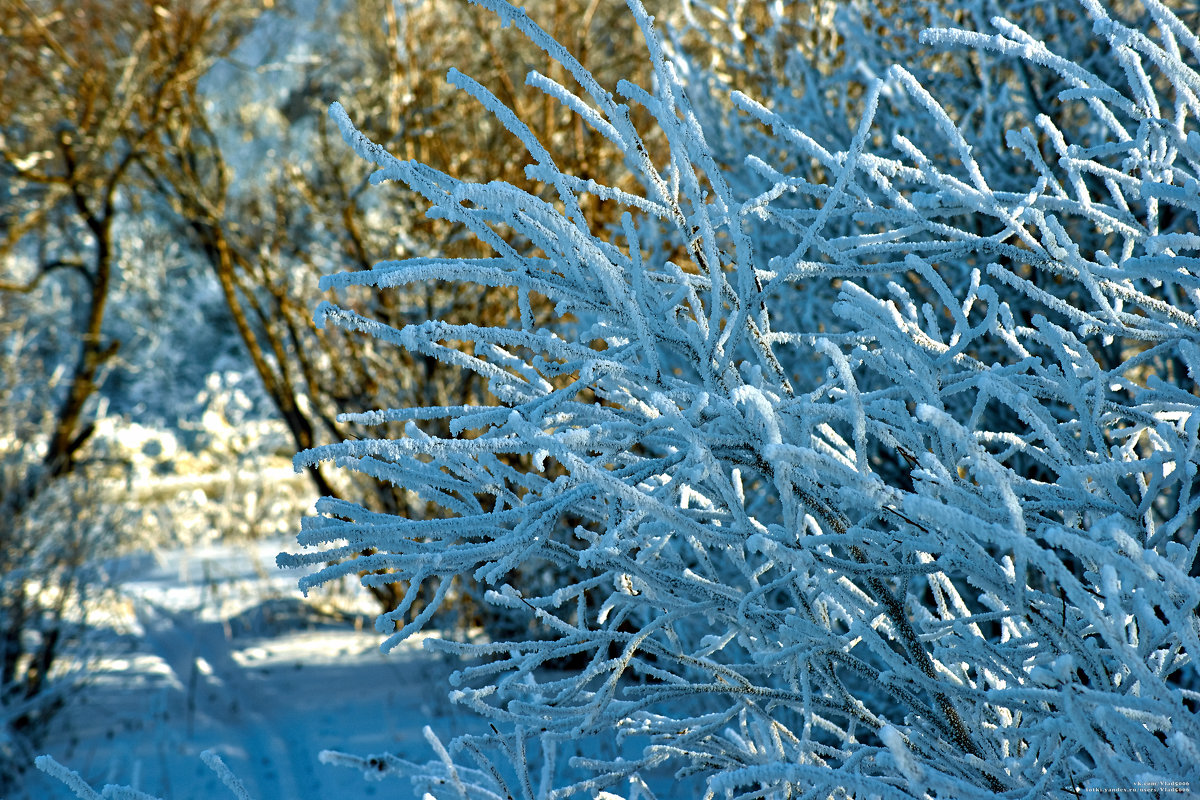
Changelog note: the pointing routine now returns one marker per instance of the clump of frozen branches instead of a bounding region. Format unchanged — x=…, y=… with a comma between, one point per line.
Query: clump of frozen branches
x=957, y=562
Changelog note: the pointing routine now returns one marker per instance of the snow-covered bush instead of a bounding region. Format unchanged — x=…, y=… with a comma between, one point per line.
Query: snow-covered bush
x=878, y=462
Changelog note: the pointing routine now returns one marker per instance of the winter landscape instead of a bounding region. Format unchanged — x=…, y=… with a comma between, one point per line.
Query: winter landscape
x=738, y=400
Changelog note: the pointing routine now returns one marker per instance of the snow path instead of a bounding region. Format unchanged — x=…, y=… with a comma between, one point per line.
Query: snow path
x=219, y=652
x=218, y=688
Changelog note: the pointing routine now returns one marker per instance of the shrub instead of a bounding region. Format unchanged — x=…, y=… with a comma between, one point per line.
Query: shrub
x=958, y=560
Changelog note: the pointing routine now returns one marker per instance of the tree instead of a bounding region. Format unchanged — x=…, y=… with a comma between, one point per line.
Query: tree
x=305, y=212
x=85, y=94
x=107, y=92
x=959, y=560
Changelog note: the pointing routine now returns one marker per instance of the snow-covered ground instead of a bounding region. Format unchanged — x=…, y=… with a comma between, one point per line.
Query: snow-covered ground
x=212, y=647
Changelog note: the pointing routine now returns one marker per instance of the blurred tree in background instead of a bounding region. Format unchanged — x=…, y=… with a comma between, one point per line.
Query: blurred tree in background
x=88, y=98
x=88, y=93
x=304, y=212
